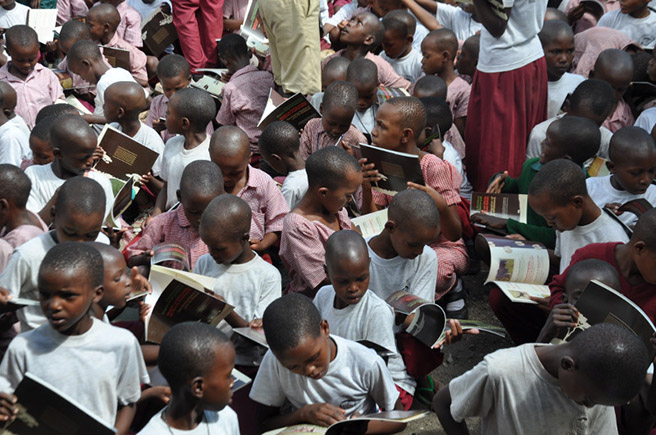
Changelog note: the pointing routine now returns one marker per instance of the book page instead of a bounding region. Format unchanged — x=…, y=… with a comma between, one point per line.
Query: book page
x=520, y=292
x=43, y=21
x=170, y=255
x=501, y=205
x=371, y=224
x=517, y=261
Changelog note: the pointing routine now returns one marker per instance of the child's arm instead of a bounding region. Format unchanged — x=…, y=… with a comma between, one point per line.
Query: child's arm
x=232, y=24
x=562, y=316
x=8, y=408
x=426, y=18
x=94, y=119
x=442, y=407
x=369, y=175
x=160, y=202
x=321, y=414
x=267, y=241
x=450, y=225
x=492, y=22
x=124, y=418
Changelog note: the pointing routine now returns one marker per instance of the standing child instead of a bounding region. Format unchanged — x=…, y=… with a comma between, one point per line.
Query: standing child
x=398, y=49
x=129, y=28
x=636, y=20
x=615, y=67
x=363, y=74
x=199, y=24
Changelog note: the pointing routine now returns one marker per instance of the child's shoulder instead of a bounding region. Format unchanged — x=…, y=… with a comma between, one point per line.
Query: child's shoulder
x=260, y=180
x=360, y=359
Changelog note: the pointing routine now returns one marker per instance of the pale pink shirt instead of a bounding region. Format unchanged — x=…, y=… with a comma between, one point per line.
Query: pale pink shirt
x=457, y=95
x=137, y=57
x=235, y=9
x=315, y=137
x=589, y=44
x=621, y=117
x=244, y=99
x=129, y=29
x=67, y=9
x=158, y=110
x=386, y=74
x=41, y=88
x=17, y=237
x=267, y=204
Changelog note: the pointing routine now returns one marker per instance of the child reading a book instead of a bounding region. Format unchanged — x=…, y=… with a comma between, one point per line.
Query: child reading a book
x=14, y=143
x=197, y=361
x=346, y=376
x=615, y=67
x=200, y=183
x=94, y=363
x=230, y=150
x=634, y=19
x=129, y=29
x=333, y=177
x=333, y=71
x=71, y=32
x=246, y=93
x=363, y=73
x=334, y=128
x=40, y=145
x=633, y=167
x=36, y=86
x=581, y=381
x=187, y=115
x=279, y=146
x=397, y=46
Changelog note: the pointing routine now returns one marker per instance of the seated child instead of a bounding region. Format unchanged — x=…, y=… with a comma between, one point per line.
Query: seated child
x=363, y=74
x=581, y=381
x=346, y=376
x=333, y=71
x=615, y=67
x=71, y=32
x=246, y=93
x=17, y=224
x=570, y=137
x=334, y=128
x=633, y=167
x=468, y=58
x=279, y=146
x=439, y=50
x=557, y=41
x=416, y=27
x=129, y=29
x=397, y=46
x=76, y=217
x=636, y=20
x=40, y=145
x=13, y=13
x=36, y=86
x=14, y=143
x=197, y=361
x=103, y=20
x=354, y=311
x=9, y=101
x=333, y=176
x=187, y=115
x=200, y=183
x=230, y=149
x=104, y=363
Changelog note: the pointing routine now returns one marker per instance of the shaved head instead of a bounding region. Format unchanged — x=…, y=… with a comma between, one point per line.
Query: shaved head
x=229, y=141
x=105, y=13
x=346, y=245
x=128, y=95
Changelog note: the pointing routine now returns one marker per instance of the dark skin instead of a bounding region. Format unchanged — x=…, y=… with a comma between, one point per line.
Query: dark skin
x=23, y=59
x=358, y=36
x=90, y=70
x=284, y=163
x=12, y=216
x=493, y=23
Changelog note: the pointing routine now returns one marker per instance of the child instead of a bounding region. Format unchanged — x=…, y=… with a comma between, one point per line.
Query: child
x=397, y=46
x=9, y=101
x=36, y=86
x=604, y=365
x=333, y=71
x=468, y=58
x=636, y=20
x=230, y=149
x=200, y=183
x=12, y=13
x=346, y=376
x=333, y=176
x=558, y=194
x=439, y=50
x=279, y=146
x=615, y=67
x=557, y=41
x=355, y=312
x=14, y=143
x=246, y=93
x=103, y=20
x=40, y=145
x=71, y=32
x=104, y=364
x=197, y=361
x=334, y=128
x=69, y=9
x=633, y=167
x=363, y=73
x=187, y=115
x=199, y=25
x=129, y=29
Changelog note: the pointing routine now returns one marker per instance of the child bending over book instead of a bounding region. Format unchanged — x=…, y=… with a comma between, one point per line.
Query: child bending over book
x=42, y=152
x=197, y=361
x=334, y=128
x=94, y=363
x=71, y=32
x=333, y=177
x=346, y=377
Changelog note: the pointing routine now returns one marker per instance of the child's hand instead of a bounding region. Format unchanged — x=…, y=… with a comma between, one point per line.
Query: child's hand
x=496, y=184
x=256, y=245
x=454, y=333
x=138, y=282
x=8, y=408
x=159, y=125
x=576, y=13
x=434, y=194
x=145, y=179
x=161, y=392
x=369, y=173
x=98, y=154
x=322, y=414
x=563, y=316
x=543, y=303
x=436, y=147
x=488, y=221
x=5, y=296
x=114, y=235
x=144, y=309
x=614, y=207
x=255, y=324
x=342, y=25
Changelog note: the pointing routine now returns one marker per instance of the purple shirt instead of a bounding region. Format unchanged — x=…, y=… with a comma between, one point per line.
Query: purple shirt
x=67, y=9
x=17, y=237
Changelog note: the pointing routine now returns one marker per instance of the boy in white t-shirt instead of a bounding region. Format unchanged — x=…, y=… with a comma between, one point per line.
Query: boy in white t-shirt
x=633, y=167
x=397, y=46
x=94, y=363
x=558, y=193
x=14, y=143
x=12, y=13
x=634, y=19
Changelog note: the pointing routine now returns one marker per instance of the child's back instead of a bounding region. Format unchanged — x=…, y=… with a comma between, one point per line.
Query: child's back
x=130, y=27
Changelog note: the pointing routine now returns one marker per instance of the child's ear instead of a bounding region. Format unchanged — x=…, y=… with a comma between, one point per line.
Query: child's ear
x=7, y=112
x=369, y=40
x=591, y=74
x=567, y=364
x=325, y=328
x=197, y=387
x=408, y=135
x=185, y=123
x=410, y=39
x=107, y=28
x=246, y=237
x=323, y=191
x=121, y=112
x=390, y=226
x=566, y=104
x=4, y=205
x=53, y=215
x=611, y=166
x=56, y=152
x=98, y=293
x=177, y=195
x=577, y=201
x=276, y=157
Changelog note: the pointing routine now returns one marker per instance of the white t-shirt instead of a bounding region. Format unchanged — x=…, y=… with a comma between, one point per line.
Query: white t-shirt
x=601, y=230
x=145, y=9
x=420, y=33
x=100, y=369
x=559, y=90
x=316, y=100
x=111, y=76
x=174, y=159
x=344, y=13
x=513, y=393
x=19, y=122
x=294, y=187
x=45, y=183
x=408, y=66
x=452, y=156
x=460, y=22
x=641, y=30
x=602, y=192
x=417, y=276
x=223, y=422
x=149, y=138
x=539, y=133
x=370, y=319
x=357, y=380
x=647, y=120
x=17, y=15
x=519, y=45
x=14, y=144
x=365, y=121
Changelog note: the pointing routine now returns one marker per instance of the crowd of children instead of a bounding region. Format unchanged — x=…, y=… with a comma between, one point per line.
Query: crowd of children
x=553, y=103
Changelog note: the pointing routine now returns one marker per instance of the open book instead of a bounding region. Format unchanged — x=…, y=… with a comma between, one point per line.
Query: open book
x=358, y=423
x=371, y=224
x=519, y=268
x=75, y=102
x=117, y=57
x=252, y=29
x=43, y=21
x=124, y=156
x=501, y=205
x=158, y=32
x=45, y=410
x=296, y=110
x=211, y=85
x=395, y=168
x=170, y=255
x=180, y=296
x=124, y=193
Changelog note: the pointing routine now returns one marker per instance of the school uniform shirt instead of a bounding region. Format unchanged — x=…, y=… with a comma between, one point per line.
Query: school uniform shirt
x=315, y=137
x=602, y=192
x=294, y=187
x=18, y=236
x=67, y=9
x=646, y=120
x=408, y=66
x=101, y=368
x=137, y=57
x=621, y=117
x=458, y=97
x=356, y=381
x=158, y=110
x=452, y=156
x=129, y=29
x=370, y=319
x=19, y=122
x=641, y=30
x=558, y=90
x=460, y=22
x=603, y=229
x=111, y=76
x=14, y=144
x=174, y=159
x=386, y=74
x=149, y=138
x=11, y=17
x=510, y=385
x=224, y=422
x=365, y=121
x=41, y=88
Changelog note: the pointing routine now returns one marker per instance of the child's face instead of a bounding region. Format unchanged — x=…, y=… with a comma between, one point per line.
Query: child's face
x=84, y=70
x=388, y=131
x=334, y=200
x=409, y=242
x=41, y=151
x=582, y=390
x=116, y=282
x=217, y=385
x=171, y=85
x=194, y=205
x=224, y=246
x=634, y=173
x=311, y=357
x=433, y=61
x=96, y=27
x=78, y=158
x=559, y=217
x=559, y=55
x=234, y=169
x=173, y=120
x=336, y=120
x=366, y=95
x=23, y=58
x=551, y=150
x=645, y=261
x=72, y=226
x=350, y=278
x=395, y=45
x=630, y=6
x=467, y=61
x=356, y=31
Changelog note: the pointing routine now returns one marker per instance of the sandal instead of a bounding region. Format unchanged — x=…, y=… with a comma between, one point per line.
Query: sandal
x=425, y=394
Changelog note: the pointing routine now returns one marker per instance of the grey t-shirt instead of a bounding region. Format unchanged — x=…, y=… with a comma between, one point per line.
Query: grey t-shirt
x=223, y=422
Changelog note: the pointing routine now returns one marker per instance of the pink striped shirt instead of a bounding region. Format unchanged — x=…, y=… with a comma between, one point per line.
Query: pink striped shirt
x=16, y=237
x=158, y=110
x=137, y=57
x=386, y=74
x=67, y=9
x=458, y=97
x=621, y=117
x=315, y=137
x=129, y=29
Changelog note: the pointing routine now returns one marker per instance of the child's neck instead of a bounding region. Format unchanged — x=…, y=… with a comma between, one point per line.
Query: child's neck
x=407, y=50
x=246, y=255
x=448, y=74
x=193, y=139
x=640, y=13
x=627, y=267
x=130, y=126
x=15, y=72
x=18, y=217
x=10, y=6
x=99, y=69
x=104, y=39
x=590, y=211
x=240, y=184
x=59, y=171
x=295, y=162
x=554, y=77
x=240, y=63
x=550, y=357
x=182, y=415
x=311, y=208
x=98, y=311
x=382, y=245
x=615, y=183
x=355, y=51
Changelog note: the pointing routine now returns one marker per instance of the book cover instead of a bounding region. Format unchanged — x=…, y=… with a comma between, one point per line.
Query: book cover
x=170, y=255
x=211, y=85
x=124, y=156
x=636, y=206
x=43, y=21
x=501, y=205
x=296, y=110
x=395, y=168
x=256, y=335
x=371, y=224
x=124, y=194
x=45, y=410
x=158, y=32
x=253, y=30
x=117, y=57
x=598, y=167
